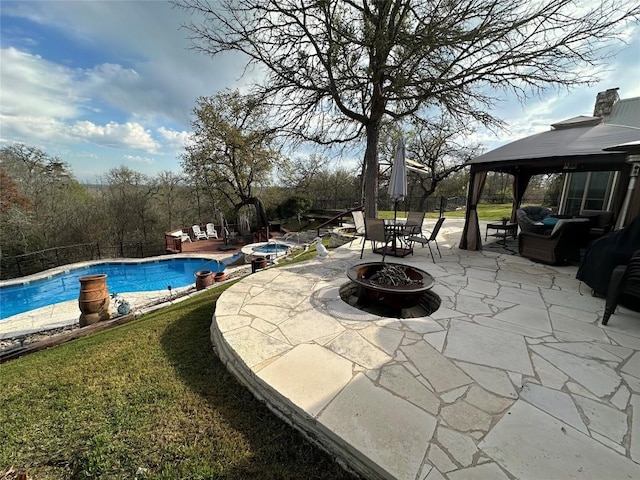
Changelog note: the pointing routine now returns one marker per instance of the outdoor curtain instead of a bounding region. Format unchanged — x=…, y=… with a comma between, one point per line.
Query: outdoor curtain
x=520, y=184
x=471, y=239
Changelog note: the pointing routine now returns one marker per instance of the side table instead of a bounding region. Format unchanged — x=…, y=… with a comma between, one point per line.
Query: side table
x=503, y=230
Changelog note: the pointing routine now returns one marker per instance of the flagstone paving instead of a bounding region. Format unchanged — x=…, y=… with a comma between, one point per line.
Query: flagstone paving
x=512, y=378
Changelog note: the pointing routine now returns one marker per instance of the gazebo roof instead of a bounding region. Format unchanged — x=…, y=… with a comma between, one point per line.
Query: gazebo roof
x=582, y=146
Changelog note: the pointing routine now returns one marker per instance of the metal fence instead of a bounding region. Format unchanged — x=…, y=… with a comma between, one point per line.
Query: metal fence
x=34, y=262
x=429, y=204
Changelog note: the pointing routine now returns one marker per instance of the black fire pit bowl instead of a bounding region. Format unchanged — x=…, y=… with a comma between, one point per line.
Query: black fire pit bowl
x=394, y=296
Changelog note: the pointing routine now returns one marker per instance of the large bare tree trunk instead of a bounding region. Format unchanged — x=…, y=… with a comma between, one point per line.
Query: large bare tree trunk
x=261, y=212
x=371, y=153
x=371, y=173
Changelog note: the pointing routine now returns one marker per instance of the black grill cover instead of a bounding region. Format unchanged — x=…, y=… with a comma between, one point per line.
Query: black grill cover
x=606, y=253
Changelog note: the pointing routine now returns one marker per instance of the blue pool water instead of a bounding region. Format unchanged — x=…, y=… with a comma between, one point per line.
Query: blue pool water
x=271, y=248
x=121, y=277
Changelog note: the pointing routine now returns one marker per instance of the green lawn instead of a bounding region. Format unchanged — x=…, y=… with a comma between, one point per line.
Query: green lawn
x=148, y=397
x=488, y=211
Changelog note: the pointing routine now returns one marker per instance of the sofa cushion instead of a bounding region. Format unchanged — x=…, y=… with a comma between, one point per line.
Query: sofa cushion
x=550, y=221
x=563, y=221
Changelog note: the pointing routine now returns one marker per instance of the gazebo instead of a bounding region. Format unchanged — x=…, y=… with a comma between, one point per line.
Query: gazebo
x=574, y=145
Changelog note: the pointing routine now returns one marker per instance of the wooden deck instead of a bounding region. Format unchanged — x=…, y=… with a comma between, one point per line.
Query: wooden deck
x=211, y=245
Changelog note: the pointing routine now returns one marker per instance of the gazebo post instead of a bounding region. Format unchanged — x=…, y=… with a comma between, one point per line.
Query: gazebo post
x=634, y=160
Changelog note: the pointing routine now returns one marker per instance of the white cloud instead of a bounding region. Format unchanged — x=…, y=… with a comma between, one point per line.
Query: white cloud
x=177, y=140
x=139, y=159
x=126, y=136
x=32, y=86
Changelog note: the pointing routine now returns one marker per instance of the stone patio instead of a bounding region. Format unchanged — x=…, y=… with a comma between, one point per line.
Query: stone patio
x=512, y=378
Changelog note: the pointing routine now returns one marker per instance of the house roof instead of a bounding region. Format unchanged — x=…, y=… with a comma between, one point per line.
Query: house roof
x=626, y=112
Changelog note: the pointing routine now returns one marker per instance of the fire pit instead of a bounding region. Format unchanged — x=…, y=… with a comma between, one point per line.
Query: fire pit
x=395, y=285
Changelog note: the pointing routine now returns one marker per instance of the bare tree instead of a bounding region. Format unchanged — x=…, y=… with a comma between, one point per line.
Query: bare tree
x=233, y=149
x=441, y=150
x=337, y=69
x=128, y=198
x=53, y=193
x=171, y=188
x=300, y=173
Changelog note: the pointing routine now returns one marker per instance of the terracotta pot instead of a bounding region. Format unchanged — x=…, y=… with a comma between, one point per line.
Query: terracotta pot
x=204, y=279
x=93, y=299
x=220, y=277
x=257, y=263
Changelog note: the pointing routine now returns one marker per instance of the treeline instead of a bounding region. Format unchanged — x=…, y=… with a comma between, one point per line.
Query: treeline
x=42, y=204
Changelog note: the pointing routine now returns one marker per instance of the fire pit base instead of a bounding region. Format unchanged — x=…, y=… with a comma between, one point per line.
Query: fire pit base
x=428, y=302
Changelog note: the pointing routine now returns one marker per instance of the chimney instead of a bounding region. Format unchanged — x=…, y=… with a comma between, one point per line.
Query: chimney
x=604, y=103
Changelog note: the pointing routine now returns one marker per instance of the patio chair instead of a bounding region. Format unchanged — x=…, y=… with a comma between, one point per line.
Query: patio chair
x=211, y=231
x=413, y=226
x=624, y=287
x=530, y=218
x=375, y=232
x=561, y=246
x=199, y=234
x=427, y=240
x=358, y=221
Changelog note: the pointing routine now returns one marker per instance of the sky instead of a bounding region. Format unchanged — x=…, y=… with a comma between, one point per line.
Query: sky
x=103, y=84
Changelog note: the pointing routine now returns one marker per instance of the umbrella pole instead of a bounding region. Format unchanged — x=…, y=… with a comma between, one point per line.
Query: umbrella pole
x=395, y=228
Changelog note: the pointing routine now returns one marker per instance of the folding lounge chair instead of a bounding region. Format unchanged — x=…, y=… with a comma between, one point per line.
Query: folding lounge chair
x=211, y=231
x=199, y=234
x=358, y=221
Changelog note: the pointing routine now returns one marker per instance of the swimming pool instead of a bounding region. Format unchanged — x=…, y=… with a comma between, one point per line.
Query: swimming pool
x=121, y=277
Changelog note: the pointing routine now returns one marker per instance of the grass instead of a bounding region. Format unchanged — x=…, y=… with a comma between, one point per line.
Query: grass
x=146, y=400
x=486, y=211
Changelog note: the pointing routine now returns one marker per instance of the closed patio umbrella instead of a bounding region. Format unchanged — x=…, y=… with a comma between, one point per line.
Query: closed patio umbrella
x=398, y=181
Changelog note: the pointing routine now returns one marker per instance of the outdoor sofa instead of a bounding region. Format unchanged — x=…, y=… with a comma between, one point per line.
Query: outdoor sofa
x=562, y=244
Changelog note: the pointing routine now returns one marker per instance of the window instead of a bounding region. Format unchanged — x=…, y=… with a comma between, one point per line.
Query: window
x=588, y=191
x=575, y=192
x=599, y=186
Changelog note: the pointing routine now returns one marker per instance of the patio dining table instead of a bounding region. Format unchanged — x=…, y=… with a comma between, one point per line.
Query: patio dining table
x=395, y=229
